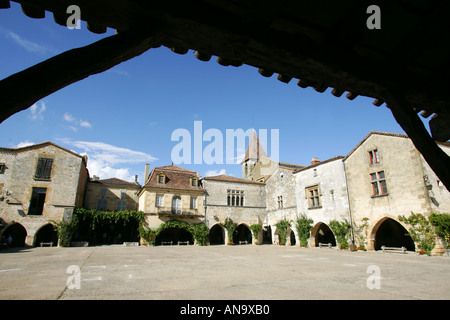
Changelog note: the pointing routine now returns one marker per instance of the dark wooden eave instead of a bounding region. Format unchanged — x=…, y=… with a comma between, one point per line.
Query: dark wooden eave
x=323, y=44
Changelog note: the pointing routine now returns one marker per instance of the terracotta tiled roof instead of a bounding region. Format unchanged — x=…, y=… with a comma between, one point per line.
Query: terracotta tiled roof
x=116, y=181
x=176, y=178
x=224, y=177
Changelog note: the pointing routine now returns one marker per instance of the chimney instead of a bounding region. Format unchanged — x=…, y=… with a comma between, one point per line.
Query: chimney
x=95, y=178
x=315, y=160
x=136, y=178
x=147, y=168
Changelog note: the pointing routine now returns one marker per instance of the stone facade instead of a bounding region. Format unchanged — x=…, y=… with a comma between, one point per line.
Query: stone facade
x=111, y=194
x=171, y=192
x=410, y=185
x=281, y=202
x=383, y=177
x=35, y=192
x=241, y=200
x=325, y=182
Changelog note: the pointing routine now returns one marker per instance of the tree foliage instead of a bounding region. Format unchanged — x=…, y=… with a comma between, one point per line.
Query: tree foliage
x=256, y=230
x=282, y=227
x=230, y=226
x=304, y=226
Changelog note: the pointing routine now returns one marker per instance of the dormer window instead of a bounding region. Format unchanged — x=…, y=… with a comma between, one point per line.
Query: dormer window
x=194, y=182
x=161, y=179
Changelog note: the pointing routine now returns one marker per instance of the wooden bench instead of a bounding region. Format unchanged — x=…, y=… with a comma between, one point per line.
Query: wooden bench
x=169, y=243
x=243, y=242
x=50, y=244
x=183, y=242
x=324, y=245
x=393, y=249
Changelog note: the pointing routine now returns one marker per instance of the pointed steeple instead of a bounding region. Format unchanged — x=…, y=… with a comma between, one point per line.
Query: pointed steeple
x=255, y=148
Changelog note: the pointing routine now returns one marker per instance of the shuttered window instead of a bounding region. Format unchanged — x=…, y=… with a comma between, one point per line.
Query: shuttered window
x=43, y=169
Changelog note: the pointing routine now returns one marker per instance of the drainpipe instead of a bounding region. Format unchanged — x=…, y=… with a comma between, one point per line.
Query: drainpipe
x=349, y=208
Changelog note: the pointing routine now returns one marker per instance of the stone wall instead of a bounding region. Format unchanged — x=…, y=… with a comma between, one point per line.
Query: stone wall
x=113, y=193
x=217, y=210
x=329, y=177
x=407, y=179
x=64, y=189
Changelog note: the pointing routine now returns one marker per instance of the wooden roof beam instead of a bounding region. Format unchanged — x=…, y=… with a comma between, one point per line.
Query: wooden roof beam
x=69, y=67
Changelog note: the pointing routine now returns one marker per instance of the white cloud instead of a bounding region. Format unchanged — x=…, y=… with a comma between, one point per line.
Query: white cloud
x=85, y=124
x=37, y=113
x=25, y=143
x=26, y=44
x=68, y=117
x=105, y=160
x=75, y=122
x=211, y=173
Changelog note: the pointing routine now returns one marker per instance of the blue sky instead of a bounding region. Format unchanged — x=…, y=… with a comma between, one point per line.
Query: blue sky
x=124, y=117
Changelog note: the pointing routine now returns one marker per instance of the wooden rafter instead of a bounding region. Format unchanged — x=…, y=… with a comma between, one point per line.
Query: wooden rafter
x=71, y=66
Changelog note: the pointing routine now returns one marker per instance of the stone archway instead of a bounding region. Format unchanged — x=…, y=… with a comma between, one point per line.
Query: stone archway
x=390, y=233
x=321, y=233
x=291, y=241
x=18, y=234
x=267, y=235
x=242, y=233
x=46, y=234
x=217, y=235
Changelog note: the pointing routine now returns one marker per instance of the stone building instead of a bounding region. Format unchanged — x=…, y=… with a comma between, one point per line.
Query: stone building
x=244, y=201
x=321, y=195
x=388, y=177
x=281, y=202
x=171, y=192
x=39, y=184
x=112, y=194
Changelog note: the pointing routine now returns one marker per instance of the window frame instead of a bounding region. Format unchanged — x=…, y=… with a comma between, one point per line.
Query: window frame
x=313, y=196
x=374, y=156
x=44, y=168
x=378, y=183
x=159, y=204
x=37, y=209
x=193, y=203
x=102, y=204
x=163, y=176
x=235, y=198
x=122, y=206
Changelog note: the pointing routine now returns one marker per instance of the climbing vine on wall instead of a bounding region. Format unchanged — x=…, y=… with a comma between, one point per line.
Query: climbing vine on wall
x=421, y=231
x=67, y=229
x=199, y=231
x=341, y=230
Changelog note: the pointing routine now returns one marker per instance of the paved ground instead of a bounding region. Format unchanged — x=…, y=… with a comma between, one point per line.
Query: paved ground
x=221, y=272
